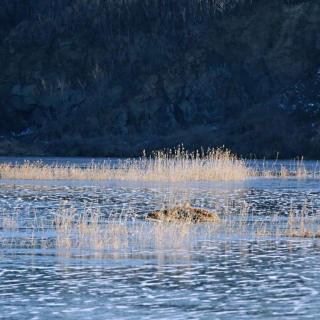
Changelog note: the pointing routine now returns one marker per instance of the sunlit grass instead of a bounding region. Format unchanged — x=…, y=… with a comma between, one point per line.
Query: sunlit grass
x=171, y=165
x=90, y=230
x=165, y=165
x=295, y=168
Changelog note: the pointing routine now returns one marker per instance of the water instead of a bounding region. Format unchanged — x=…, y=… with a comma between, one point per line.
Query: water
x=225, y=277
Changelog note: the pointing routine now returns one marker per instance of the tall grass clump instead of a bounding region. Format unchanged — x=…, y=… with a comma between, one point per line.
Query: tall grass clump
x=295, y=168
x=165, y=165
x=92, y=230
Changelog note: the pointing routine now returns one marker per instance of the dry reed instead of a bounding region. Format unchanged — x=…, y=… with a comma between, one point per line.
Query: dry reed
x=91, y=230
x=172, y=165
x=166, y=165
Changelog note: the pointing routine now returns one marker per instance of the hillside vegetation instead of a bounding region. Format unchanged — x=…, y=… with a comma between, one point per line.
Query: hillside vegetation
x=113, y=77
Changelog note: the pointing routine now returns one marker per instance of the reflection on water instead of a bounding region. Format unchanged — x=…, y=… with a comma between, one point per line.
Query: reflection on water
x=219, y=278
x=222, y=280
x=264, y=196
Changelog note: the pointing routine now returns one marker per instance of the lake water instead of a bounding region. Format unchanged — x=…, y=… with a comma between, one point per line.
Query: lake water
x=225, y=277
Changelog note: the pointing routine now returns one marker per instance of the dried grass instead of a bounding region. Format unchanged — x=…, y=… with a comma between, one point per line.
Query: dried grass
x=91, y=231
x=166, y=165
x=292, y=169
x=171, y=165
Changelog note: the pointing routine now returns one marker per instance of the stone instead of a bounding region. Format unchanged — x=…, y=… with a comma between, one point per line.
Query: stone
x=184, y=213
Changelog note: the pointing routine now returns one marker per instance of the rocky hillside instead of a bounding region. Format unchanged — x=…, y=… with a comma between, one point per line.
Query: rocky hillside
x=111, y=77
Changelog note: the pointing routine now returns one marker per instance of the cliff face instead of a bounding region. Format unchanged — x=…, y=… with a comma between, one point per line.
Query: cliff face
x=112, y=78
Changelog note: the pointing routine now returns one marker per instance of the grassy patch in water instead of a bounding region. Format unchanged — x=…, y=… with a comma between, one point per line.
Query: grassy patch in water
x=164, y=165
x=90, y=230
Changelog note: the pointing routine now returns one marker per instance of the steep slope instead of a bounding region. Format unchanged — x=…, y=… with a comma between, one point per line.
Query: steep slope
x=111, y=78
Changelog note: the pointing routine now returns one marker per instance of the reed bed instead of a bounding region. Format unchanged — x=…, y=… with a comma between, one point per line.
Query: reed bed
x=171, y=165
x=295, y=168
x=92, y=231
x=165, y=165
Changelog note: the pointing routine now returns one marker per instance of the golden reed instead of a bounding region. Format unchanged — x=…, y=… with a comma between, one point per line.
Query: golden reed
x=165, y=165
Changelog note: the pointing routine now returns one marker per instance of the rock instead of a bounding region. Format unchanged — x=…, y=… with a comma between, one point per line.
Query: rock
x=184, y=213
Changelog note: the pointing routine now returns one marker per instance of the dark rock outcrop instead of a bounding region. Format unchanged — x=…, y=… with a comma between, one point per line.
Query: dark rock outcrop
x=101, y=78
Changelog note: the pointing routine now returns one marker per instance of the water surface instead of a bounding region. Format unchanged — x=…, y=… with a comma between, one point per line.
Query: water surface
x=222, y=278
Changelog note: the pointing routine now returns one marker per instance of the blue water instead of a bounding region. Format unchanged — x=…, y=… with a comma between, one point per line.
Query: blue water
x=222, y=278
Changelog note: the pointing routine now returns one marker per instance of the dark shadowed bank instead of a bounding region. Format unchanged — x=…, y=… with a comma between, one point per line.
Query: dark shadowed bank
x=110, y=77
